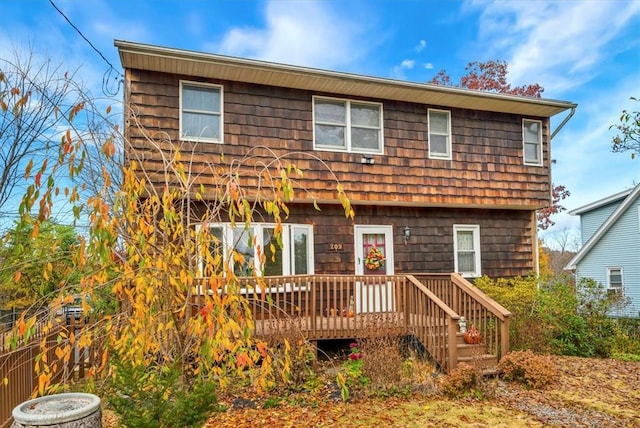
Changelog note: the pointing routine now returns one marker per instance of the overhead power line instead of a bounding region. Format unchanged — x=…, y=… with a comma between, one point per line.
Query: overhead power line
x=109, y=72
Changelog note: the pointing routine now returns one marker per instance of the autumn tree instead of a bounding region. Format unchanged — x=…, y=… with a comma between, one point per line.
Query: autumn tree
x=182, y=322
x=36, y=100
x=33, y=267
x=628, y=138
x=491, y=76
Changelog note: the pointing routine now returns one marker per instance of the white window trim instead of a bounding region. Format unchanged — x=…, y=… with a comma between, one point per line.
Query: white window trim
x=348, y=147
x=257, y=229
x=476, y=245
x=448, y=155
x=196, y=138
x=609, y=287
x=540, y=162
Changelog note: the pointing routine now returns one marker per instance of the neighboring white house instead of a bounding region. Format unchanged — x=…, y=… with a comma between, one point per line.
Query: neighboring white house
x=610, y=251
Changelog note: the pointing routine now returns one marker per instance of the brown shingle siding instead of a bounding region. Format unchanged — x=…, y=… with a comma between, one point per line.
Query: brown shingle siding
x=486, y=167
x=505, y=237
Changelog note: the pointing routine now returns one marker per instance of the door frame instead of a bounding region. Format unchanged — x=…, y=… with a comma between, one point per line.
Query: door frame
x=359, y=231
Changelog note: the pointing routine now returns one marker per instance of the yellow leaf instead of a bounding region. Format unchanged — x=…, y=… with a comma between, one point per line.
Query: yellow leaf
x=5, y=381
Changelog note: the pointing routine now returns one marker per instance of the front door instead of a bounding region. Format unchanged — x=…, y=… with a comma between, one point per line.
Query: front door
x=374, y=256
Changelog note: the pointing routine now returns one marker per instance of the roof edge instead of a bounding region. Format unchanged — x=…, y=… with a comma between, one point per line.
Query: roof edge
x=601, y=202
x=160, y=51
x=604, y=227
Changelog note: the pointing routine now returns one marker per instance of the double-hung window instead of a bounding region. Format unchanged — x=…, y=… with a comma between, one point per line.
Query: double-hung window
x=346, y=125
x=532, y=142
x=257, y=249
x=201, y=112
x=439, y=134
x=466, y=249
x=614, y=280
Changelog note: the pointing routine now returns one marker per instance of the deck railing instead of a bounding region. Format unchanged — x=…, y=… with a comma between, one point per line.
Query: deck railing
x=433, y=323
x=317, y=307
x=478, y=309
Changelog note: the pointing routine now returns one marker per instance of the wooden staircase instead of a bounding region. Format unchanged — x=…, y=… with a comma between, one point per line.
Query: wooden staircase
x=476, y=356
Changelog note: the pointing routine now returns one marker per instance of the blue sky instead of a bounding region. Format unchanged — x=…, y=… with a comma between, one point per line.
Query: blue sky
x=586, y=52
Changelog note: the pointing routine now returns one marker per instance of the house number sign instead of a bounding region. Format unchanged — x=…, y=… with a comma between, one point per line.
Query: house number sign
x=335, y=247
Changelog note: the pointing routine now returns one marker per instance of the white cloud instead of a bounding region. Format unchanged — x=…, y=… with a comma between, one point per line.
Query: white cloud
x=428, y=66
x=309, y=34
x=407, y=63
x=421, y=45
x=398, y=70
x=558, y=44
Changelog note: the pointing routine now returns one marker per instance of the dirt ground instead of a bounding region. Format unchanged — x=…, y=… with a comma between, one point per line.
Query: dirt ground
x=587, y=393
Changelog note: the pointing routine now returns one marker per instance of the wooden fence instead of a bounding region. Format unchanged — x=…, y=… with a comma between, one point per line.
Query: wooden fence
x=17, y=365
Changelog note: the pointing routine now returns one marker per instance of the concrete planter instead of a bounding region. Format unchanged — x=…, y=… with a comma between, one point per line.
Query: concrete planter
x=70, y=410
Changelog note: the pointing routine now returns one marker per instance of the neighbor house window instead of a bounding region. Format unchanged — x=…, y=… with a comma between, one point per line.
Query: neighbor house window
x=466, y=248
x=200, y=112
x=614, y=280
x=532, y=141
x=243, y=247
x=439, y=134
x=345, y=125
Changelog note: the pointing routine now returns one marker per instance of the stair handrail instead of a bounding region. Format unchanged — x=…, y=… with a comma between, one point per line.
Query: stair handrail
x=453, y=314
x=496, y=308
x=452, y=325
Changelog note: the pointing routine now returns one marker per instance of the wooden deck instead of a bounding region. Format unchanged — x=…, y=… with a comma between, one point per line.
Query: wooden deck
x=425, y=306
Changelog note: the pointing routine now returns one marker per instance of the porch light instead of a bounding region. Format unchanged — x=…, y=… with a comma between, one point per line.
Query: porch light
x=367, y=159
x=406, y=234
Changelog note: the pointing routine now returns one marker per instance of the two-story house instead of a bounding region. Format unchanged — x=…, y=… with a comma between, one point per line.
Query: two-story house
x=442, y=179
x=445, y=183
x=610, y=252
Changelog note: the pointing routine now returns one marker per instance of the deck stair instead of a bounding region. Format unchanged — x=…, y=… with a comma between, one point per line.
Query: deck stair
x=476, y=355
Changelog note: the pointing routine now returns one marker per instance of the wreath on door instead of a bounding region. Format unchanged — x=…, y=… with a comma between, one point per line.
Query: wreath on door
x=374, y=259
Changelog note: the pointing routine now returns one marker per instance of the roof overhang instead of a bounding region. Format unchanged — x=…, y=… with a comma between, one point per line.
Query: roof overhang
x=190, y=63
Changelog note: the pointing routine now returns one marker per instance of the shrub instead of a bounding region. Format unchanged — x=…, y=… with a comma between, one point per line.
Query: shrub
x=520, y=296
x=461, y=381
x=557, y=317
x=627, y=337
x=383, y=364
x=534, y=371
x=164, y=402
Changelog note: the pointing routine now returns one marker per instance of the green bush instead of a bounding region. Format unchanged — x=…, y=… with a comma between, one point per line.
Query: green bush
x=164, y=402
x=520, y=296
x=557, y=317
x=627, y=338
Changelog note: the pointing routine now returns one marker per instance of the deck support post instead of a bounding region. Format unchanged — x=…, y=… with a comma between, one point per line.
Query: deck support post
x=504, y=338
x=452, y=344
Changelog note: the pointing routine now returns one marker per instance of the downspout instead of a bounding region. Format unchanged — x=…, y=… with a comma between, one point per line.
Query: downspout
x=535, y=228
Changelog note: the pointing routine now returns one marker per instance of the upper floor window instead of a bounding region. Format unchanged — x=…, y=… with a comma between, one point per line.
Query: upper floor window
x=200, y=112
x=345, y=125
x=532, y=142
x=439, y=134
x=257, y=249
x=466, y=248
x=614, y=280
